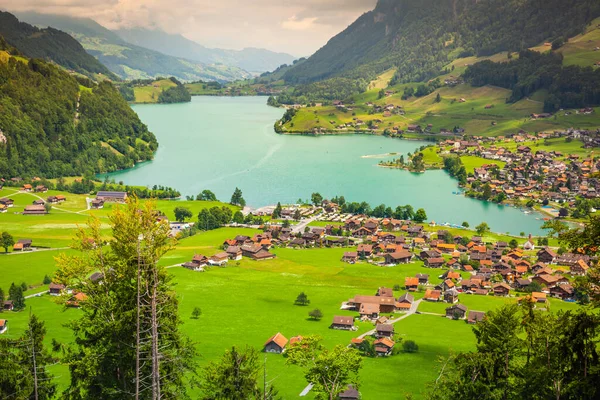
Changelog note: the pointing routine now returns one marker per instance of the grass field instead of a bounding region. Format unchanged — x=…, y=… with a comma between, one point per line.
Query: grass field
x=150, y=93
x=472, y=162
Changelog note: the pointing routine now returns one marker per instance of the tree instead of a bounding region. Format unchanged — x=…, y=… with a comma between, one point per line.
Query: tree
x=128, y=338
x=409, y=346
x=6, y=241
x=196, y=312
x=277, y=211
x=482, y=228
x=24, y=286
x=47, y=280
x=315, y=314
x=513, y=244
x=237, y=199
x=182, y=213
x=555, y=227
x=420, y=215
x=235, y=377
x=302, y=300
x=47, y=207
x=465, y=224
x=286, y=223
x=206, y=195
x=438, y=98
x=563, y=212
x=297, y=215
x=316, y=198
x=238, y=217
x=330, y=371
x=15, y=293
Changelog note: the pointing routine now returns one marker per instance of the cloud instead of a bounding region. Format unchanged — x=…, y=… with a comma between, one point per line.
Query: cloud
x=296, y=27
x=295, y=24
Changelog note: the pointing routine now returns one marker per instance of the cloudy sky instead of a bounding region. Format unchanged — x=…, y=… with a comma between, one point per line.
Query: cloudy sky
x=298, y=27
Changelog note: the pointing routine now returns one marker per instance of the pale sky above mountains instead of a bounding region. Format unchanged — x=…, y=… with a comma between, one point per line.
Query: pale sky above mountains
x=298, y=27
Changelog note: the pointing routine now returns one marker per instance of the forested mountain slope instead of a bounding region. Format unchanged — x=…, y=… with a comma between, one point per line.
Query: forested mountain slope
x=49, y=44
x=127, y=60
x=420, y=37
x=55, y=125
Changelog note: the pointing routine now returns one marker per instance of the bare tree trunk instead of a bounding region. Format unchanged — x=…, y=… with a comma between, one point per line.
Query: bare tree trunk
x=155, y=353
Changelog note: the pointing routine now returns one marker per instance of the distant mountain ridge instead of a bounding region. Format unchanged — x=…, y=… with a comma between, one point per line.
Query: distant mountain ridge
x=420, y=37
x=49, y=44
x=127, y=60
x=249, y=59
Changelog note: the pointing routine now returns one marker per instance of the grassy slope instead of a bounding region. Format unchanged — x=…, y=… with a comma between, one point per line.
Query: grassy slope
x=580, y=50
x=150, y=93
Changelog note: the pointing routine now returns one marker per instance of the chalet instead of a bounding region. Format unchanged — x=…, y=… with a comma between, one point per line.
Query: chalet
x=565, y=292
x=425, y=254
x=538, y=297
x=350, y=257
x=432, y=295
x=256, y=252
x=411, y=283
x=423, y=279
x=234, y=253
x=384, y=304
x=451, y=296
x=501, y=289
x=97, y=204
x=385, y=292
x=546, y=255
x=8, y=305
x=522, y=283
x=434, y=262
x=457, y=311
x=414, y=129
x=365, y=250
x=405, y=302
x=7, y=202
x=369, y=310
x=27, y=188
x=41, y=189
x=35, y=210
x=384, y=330
x=398, y=257
x=384, y=346
x=297, y=242
x=56, y=289
x=3, y=326
x=475, y=317
x=22, y=245
x=361, y=232
x=579, y=268
x=276, y=344
x=349, y=394
x=76, y=300
x=197, y=264
x=219, y=259
x=546, y=280
x=112, y=197
x=343, y=323
x=415, y=231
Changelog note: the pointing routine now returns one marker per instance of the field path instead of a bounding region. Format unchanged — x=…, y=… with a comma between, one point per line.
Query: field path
x=413, y=309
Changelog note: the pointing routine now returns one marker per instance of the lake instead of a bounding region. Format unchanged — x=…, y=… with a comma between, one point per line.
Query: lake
x=220, y=143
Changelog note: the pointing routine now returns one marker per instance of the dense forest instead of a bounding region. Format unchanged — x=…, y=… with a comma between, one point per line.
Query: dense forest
x=175, y=94
x=49, y=44
x=46, y=135
x=419, y=38
x=568, y=87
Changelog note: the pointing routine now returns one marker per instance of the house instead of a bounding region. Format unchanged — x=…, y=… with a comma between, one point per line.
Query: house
x=276, y=344
x=475, y=317
x=451, y=296
x=538, y=297
x=365, y=250
x=27, y=188
x=55, y=289
x=432, y=295
x=350, y=257
x=564, y=292
x=546, y=255
x=522, y=283
x=423, y=279
x=369, y=310
x=256, y=252
x=411, y=283
x=35, y=210
x=398, y=257
x=384, y=330
x=219, y=259
x=40, y=189
x=22, y=245
x=7, y=202
x=8, y=305
x=76, y=300
x=385, y=292
x=3, y=326
x=362, y=231
x=384, y=304
x=112, y=197
x=434, y=262
x=97, y=204
x=579, y=268
x=343, y=323
x=234, y=253
x=384, y=346
x=457, y=311
x=405, y=302
x=501, y=289
x=349, y=394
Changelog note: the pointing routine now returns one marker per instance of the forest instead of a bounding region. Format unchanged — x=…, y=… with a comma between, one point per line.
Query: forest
x=47, y=136
x=568, y=87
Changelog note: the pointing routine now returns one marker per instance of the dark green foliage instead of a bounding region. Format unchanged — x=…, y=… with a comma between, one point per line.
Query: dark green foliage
x=569, y=87
x=302, y=300
x=456, y=169
x=47, y=280
x=175, y=94
x=49, y=44
x=214, y=218
x=6, y=241
x=206, y=195
x=315, y=314
x=15, y=293
x=409, y=346
x=237, y=198
x=42, y=136
x=182, y=213
x=127, y=92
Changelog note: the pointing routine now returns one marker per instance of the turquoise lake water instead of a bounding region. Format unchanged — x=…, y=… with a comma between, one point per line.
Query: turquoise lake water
x=219, y=143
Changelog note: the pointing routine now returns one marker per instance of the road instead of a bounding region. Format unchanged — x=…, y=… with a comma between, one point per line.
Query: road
x=413, y=309
x=36, y=294
x=299, y=227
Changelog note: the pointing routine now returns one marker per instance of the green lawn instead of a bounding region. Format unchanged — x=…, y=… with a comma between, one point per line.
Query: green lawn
x=150, y=93
x=473, y=162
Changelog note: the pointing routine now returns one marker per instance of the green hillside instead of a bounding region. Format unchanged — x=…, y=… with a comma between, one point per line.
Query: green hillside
x=51, y=45
x=61, y=128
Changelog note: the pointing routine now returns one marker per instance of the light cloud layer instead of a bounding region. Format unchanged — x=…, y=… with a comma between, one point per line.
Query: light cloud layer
x=296, y=27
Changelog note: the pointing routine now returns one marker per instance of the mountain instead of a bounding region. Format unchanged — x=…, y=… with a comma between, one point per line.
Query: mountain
x=49, y=44
x=130, y=61
x=249, y=59
x=56, y=124
x=420, y=37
